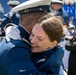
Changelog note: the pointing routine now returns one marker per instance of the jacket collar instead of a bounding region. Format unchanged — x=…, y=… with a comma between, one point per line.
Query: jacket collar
x=23, y=33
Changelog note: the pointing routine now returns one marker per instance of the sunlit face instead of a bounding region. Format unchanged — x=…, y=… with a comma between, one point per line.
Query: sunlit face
x=39, y=39
x=55, y=7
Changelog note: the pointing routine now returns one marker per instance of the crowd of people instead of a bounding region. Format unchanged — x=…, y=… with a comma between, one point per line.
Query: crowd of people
x=39, y=39
x=10, y=17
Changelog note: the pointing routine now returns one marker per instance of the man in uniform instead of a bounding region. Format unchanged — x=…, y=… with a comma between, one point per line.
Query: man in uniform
x=56, y=6
x=15, y=49
x=11, y=17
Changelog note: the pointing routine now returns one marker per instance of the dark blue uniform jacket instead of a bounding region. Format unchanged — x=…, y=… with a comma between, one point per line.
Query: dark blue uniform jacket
x=14, y=19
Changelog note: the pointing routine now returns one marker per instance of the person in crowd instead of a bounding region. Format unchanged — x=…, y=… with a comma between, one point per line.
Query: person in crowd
x=15, y=49
x=11, y=17
x=56, y=6
x=47, y=54
x=71, y=46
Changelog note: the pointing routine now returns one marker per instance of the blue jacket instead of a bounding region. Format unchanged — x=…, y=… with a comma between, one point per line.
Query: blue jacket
x=49, y=61
x=14, y=19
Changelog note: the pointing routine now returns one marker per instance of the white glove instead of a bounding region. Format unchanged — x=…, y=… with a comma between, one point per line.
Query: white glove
x=11, y=13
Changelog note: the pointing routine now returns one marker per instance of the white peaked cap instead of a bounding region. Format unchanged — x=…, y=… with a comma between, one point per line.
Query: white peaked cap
x=31, y=4
x=13, y=2
x=57, y=1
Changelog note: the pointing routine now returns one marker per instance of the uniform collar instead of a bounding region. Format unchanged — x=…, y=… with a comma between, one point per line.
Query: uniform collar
x=45, y=54
x=23, y=33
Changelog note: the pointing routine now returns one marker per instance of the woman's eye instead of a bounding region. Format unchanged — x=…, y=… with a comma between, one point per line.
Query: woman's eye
x=40, y=39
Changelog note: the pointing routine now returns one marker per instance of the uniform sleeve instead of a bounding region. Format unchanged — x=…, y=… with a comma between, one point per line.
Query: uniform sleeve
x=56, y=62
x=5, y=21
x=19, y=63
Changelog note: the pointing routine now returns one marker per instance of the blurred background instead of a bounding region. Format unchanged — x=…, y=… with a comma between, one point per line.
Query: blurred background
x=6, y=7
x=69, y=6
